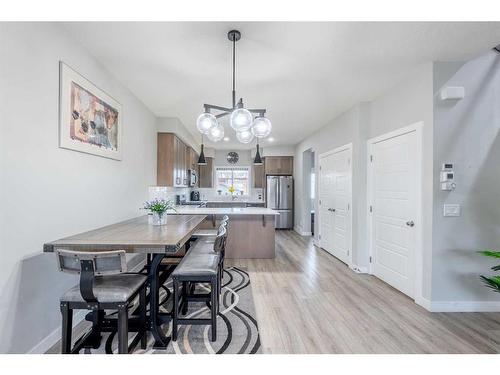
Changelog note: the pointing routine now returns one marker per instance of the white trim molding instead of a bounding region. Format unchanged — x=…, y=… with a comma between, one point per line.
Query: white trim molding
x=358, y=269
x=301, y=233
x=458, y=306
x=464, y=306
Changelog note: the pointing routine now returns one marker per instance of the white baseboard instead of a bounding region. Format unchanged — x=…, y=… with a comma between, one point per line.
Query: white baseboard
x=358, y=269
x=50, y=340
x=458, y=306
x=464, y=306
x=296, y=229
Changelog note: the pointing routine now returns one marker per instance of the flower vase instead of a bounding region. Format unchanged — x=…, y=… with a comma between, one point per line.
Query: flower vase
x=159, y=219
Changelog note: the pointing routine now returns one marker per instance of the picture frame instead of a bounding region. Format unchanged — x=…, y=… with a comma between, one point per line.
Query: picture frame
x=90, y=120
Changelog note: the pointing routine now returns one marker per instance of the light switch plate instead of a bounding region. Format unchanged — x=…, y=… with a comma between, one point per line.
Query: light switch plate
x=451, y=210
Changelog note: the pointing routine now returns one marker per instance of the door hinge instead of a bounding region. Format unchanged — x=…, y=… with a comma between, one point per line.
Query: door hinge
x=347, y=252
x=319, y=236
x=371, y=209
x=370, y=259
x=348, y=207
x=320, y=167
x=371, y=158
x=320, y=202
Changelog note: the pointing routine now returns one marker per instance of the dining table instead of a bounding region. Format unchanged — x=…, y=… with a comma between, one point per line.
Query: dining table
x=138, y=235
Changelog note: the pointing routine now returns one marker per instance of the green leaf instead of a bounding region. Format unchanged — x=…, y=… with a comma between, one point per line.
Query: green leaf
x=490, y=253
x=492, y=282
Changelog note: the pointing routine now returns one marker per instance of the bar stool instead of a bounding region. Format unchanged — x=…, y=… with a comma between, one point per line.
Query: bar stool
x=198, y=267
x=103, y=286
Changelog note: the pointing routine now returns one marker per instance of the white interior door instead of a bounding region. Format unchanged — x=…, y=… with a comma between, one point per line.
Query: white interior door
x=393, y=199
x=335, y=207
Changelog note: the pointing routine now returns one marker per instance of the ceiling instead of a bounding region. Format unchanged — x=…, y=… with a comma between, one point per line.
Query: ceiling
x=305, y=74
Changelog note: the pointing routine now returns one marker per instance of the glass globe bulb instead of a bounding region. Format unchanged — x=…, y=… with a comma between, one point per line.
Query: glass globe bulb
x=205, y=122
x=244, y=136
x=216, y=133
x=261, y=127
x=241, y=119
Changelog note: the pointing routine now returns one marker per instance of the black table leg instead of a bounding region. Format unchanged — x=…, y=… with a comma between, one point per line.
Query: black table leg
x=161, y=340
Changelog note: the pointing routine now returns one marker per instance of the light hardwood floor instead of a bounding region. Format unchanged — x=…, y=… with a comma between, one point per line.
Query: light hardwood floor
x=309, y=302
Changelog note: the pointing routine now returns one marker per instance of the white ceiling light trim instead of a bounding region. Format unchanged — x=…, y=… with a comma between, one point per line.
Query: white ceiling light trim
x=241, y=119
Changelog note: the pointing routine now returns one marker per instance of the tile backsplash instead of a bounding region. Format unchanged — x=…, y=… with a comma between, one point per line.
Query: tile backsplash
x=166, y=192
x=208, y=194
x=211, y=194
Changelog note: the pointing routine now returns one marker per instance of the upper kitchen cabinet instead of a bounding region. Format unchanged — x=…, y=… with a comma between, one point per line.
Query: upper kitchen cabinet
x=259, y=176
x=205, y=174
x=279, y=165
x=192, y=159
x=172, y=163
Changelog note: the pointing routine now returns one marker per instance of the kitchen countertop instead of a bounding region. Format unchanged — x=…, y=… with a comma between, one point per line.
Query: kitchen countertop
x=193, y=210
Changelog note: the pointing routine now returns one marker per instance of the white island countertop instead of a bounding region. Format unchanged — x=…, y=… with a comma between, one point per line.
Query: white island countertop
x=193, y=210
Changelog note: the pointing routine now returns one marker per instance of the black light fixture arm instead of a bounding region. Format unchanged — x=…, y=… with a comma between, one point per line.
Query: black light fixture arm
x=233, y=36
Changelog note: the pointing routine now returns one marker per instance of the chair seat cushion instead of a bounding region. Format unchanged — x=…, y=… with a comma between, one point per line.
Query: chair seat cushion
x=205, y=233
x=203, y=246
x=109, y=289
x=197, y=265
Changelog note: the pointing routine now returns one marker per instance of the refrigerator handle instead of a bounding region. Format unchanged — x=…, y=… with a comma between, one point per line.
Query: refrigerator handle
x=278, y=191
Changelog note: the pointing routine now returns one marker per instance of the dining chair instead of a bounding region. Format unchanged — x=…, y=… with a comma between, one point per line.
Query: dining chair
x=104, y=285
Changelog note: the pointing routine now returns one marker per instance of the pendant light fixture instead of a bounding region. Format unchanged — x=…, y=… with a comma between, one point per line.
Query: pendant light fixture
x=201, y=158
x=257, y=160
x=241, y=119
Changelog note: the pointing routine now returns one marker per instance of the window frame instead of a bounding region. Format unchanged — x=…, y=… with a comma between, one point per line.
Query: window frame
x=248, y=169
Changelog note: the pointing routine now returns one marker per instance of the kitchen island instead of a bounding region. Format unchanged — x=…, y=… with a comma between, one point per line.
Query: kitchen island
x=251, y=229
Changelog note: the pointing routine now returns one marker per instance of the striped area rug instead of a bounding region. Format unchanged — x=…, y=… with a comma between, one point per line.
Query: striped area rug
x=237, y=329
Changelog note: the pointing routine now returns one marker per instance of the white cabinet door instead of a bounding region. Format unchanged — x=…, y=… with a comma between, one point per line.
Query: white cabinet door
x=393, y=198
x=335, y=197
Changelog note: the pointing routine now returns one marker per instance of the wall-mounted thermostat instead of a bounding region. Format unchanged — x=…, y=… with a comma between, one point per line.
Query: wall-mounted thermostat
x=447, y=177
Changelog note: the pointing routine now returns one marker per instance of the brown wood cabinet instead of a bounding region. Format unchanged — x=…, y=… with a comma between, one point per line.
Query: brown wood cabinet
x=205, y=174
x=259, y=175
x=279, y=165
x=192, y=159
x=173, y=161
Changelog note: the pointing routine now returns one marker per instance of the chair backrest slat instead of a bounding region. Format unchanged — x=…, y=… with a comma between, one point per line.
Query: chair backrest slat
x=220, y=240
x=105, y=262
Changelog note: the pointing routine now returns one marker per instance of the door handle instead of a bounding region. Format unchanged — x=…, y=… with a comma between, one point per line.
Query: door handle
x=331, y=209
x=410, y=223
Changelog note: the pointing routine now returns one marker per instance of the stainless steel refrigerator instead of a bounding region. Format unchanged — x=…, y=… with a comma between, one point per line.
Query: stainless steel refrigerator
x=279, y=197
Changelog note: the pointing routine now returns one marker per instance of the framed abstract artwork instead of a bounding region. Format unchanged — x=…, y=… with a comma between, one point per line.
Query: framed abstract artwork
x=90, y=120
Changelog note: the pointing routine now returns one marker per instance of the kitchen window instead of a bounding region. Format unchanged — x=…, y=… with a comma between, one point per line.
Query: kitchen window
x=238, y=177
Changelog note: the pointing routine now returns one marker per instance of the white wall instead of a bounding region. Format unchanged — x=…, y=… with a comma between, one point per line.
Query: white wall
x=467, y=133
x=48, y=192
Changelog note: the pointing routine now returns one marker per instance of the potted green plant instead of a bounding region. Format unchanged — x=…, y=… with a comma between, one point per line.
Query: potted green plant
x=158, y=208
x=492, y=282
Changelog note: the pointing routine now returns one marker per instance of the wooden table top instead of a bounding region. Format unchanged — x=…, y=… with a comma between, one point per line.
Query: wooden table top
x=134, y=236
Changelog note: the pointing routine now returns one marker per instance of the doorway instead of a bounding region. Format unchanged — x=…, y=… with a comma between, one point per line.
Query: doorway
x=335, y=202
x=394, y=180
